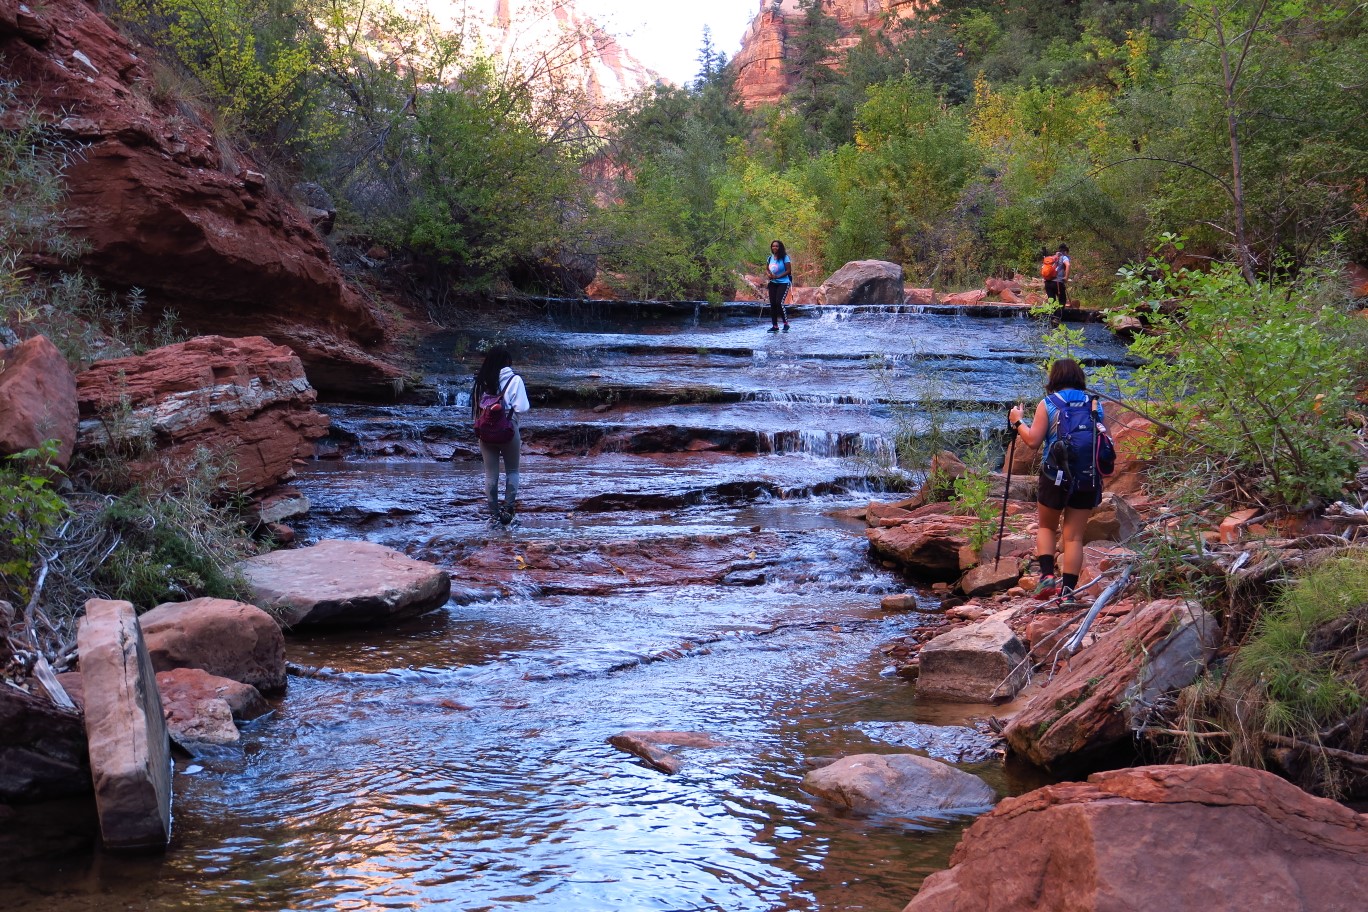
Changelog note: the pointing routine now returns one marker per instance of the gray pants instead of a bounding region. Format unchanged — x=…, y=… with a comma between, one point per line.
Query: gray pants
x=491, y=453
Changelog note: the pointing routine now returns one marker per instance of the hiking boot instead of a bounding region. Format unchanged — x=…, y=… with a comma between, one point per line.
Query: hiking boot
x=785, y=327
x=1048, y=588
x=507, y=519
x=1068, y=601
x=773, y=329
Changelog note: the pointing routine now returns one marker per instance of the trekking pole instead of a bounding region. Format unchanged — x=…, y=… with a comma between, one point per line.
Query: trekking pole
x=1006, y=492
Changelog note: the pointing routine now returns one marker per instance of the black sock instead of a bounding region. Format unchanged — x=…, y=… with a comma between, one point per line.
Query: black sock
x=1070, y=580
x=1046, y=562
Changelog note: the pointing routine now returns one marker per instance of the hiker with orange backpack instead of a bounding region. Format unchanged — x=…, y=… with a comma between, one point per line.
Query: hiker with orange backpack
x=1054, y=269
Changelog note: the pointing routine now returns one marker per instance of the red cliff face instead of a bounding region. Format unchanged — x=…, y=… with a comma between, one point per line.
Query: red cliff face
x=161, y=204
x=764, y=69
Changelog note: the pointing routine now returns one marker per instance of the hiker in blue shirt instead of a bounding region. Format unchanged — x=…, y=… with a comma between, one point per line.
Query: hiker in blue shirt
x=1071, y=504
x=780, y=269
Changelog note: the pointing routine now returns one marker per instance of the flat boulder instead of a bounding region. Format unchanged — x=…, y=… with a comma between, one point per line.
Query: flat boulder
x=863, y=282
x=222, y=637
x=1178, y=838
x=201, y=708
x=901, y=785
x=37, y=399
x=991, y=576
x=977, y=663
x=130, y=755
x=1103, y=691
x=340, y=583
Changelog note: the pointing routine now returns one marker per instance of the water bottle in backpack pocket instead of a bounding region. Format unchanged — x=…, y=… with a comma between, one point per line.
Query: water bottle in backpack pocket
x=1075, y=460
x=493, y=421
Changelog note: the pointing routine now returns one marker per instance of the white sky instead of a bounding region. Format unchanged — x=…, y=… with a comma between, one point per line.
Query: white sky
x=666, y=37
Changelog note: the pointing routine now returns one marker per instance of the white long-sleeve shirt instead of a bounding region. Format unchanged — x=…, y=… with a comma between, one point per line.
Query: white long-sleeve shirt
x=515, y=396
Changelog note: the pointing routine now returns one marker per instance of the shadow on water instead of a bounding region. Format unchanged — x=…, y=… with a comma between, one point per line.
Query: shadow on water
x=460, y=760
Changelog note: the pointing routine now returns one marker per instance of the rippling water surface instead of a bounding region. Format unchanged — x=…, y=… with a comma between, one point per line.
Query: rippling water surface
x=460, y=760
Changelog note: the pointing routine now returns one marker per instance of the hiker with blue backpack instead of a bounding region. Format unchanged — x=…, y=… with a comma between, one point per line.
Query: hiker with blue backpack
x=1077, y=454
x=496, y=400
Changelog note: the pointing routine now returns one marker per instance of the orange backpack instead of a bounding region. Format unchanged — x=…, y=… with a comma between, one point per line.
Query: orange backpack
x=1049, y=267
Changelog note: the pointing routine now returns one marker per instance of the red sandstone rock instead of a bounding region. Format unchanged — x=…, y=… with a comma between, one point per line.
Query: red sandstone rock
x=927, y=545
x=130, y=757
x=344, y=582
x=1184, y=839
x=864, y=282
x=223, y=638
x=1092, y=702
x=162, y=204
x=37, y=399
x=977, y=296
x=200, y=707
x=245, y=400
x=918, y=295
x=905, y=785
x=764, y=65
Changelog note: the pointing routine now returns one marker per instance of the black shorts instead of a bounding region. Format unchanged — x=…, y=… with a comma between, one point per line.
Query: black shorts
x=1052, y=495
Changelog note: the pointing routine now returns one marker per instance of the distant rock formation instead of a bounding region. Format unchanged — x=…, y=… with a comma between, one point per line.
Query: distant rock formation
x=549, y=33
x=764, y=72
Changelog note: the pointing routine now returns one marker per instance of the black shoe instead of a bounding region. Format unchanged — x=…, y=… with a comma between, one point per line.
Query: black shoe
x=773, y=329
x=507, y=519
x=785, y=327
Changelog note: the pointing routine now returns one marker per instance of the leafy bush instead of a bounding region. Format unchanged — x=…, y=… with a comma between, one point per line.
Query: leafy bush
x=1253, y=378
x=30, y=509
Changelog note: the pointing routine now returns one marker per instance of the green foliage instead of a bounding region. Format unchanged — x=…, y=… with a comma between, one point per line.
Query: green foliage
x=174, y=541
x=29, y=511
x=973, y=495
x=1254, y=378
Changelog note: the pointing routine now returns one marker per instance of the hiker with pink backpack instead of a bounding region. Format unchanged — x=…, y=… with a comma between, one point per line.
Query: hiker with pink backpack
x=497, y=399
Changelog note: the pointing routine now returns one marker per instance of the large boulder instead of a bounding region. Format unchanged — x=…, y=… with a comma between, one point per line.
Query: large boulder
x=246, y=400
x=1177, y=838
x=343, y=583
x=225, y=638
x=160, y=203
x=42, y=748
x=903, y=785
x=37, y=399
x=864, y=282
x=928, y=546
x=130, y=755
x=1108, y=688
x=977, y=663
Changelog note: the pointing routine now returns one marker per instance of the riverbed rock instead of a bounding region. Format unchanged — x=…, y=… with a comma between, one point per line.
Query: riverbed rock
x=344, y=583
x=201, y=708
x=927, y=546
x=42, y=748
x=976, y=296
x=246, y=401
x=1109, y=687
x=1200, y=837
x=991, y=576
x=903, y=785
x=1114, y=520
x=864, y=282
x=130, y=755
x=222, y=637
x=977, y=663
x=37, y=399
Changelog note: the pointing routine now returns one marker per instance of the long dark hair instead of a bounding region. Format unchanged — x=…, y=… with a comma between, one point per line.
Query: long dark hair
x=487, y=379
x=783, y=251
x=1066, y=374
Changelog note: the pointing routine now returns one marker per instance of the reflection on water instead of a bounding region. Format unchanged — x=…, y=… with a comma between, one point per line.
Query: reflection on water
x=460, y=761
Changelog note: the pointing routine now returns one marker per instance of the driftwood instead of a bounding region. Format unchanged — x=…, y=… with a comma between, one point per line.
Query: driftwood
x=1358, y=762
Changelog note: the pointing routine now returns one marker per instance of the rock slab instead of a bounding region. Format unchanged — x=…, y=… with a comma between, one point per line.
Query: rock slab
x=977, y=663
x=37, y=399
x=904, y=785
x=340, y=583
x=130, y=754
x=42, y=748
x=1178, y=838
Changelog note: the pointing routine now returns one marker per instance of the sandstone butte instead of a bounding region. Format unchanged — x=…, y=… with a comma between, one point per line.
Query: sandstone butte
x=764, y=68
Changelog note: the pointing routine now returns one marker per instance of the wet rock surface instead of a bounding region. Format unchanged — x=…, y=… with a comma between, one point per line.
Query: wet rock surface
x=904, y=785
x=1213, y=836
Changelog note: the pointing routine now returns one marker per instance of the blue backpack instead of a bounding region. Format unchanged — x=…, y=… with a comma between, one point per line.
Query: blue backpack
x=1082, y=453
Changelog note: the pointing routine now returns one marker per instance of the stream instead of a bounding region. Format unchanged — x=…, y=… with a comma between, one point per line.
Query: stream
x=683, y=475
